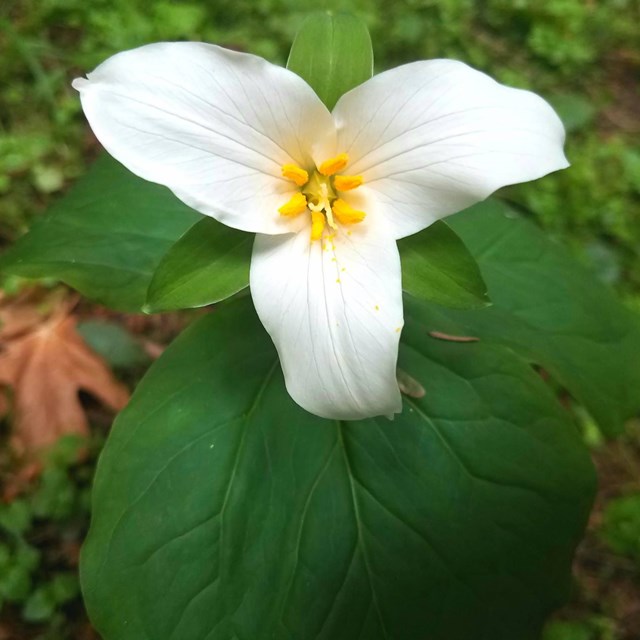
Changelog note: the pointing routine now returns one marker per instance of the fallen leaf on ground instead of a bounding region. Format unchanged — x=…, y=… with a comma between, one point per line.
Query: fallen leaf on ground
x=19, y=315
x=46, y=368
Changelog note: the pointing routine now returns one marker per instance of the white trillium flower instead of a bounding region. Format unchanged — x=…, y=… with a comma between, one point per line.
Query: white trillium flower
x=327, y=193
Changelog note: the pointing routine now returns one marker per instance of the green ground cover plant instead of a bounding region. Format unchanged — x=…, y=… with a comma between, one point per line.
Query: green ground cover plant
x=580, y=56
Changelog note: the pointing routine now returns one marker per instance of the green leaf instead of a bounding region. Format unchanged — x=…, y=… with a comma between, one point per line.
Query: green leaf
x=333, y=53
x=105, y=238
x=437, y=267
x=223, y=510
x=15, y=517
x=5, y=558
x=67, y=451
x=114, y=343
x=56, y=496
x=621, y=526
x=26, y=556
x=576, y=111
x=569, y=631
x=64, y=587
x=552, y=311
x=40, y=606
x=15, y=583
x=208, y=264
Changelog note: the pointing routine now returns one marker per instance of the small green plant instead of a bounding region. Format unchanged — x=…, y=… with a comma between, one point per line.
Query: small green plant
x=568, y=631
x=590, y=628
x=40, y=535
x=621, y=526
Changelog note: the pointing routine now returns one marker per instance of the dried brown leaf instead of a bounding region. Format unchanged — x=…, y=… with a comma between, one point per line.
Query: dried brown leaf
x=18, y=315
x=46, y=368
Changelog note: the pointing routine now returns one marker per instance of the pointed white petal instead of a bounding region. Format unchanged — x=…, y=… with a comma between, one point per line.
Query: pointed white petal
x=213, y=125
x=431, y=138
x=335, y=316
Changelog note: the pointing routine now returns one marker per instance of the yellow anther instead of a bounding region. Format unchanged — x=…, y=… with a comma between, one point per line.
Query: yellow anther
x=333, y=165
x=346, y=214
x=317, y=225
x=295, y=206
x=346, y=183
x=295, y=173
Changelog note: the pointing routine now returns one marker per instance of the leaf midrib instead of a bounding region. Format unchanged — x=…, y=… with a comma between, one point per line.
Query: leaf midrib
x=357, y=518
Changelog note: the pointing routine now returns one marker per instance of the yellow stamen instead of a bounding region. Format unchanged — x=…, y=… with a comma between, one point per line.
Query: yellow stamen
x=333, y=165
x=317, y=225
x=346, y=214
x=295, y=173
x=295, y=206
x=346, y=183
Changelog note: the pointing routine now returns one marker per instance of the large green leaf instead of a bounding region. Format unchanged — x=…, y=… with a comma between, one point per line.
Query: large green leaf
x=223, y=511
x=436, y=266
x=208, y=264
x=333, y=53
x=211, y=262
x=105, y=238
x=552, y=311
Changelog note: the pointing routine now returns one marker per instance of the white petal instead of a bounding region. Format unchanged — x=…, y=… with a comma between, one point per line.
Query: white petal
x=213, y=125
x=431, y=138
x=335, y=316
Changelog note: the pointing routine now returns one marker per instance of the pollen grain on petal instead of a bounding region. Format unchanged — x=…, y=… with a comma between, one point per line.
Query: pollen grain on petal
x=346, y=183
x=345, y=214
x=295, y=206
x=333, y=165
x=317, y=225
x=295, y=173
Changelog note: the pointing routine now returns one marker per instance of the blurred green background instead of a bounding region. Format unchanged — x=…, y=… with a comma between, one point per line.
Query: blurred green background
x=582, y=55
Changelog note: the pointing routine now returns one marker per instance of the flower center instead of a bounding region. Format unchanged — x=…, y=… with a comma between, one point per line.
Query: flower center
x=319, y=195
